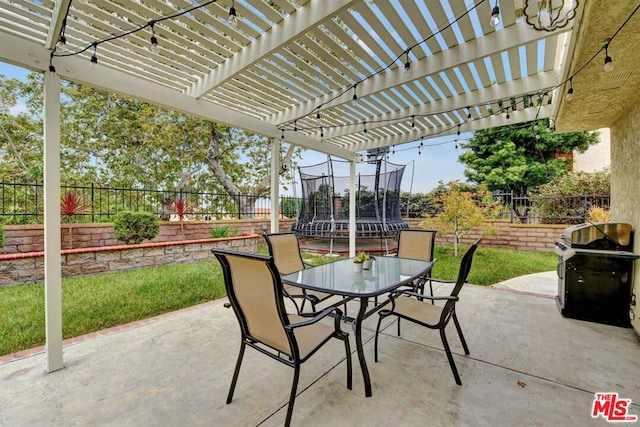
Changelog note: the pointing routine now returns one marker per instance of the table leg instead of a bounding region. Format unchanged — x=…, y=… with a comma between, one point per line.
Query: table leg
x=358, y=329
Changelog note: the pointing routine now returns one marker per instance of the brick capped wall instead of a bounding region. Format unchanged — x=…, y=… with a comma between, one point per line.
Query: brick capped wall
x=30, y=238
x=29, y=267
x=22, y=239
x=526, y=237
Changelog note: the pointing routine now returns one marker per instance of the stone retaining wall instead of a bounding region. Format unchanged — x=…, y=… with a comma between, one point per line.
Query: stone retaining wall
x=97, y=251
x=29, y=267
x=30, y=238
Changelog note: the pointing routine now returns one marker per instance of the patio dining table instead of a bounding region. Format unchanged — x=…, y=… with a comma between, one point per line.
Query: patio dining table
x=340, y=278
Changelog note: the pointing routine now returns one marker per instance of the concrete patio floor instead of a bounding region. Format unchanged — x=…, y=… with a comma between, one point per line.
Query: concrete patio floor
x=528, y=366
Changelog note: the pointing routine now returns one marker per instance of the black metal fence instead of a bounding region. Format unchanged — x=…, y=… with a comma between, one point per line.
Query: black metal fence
x=22, y=203
x=570, y=209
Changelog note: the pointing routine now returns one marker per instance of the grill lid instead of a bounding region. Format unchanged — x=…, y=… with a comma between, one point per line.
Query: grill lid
x=598, y=235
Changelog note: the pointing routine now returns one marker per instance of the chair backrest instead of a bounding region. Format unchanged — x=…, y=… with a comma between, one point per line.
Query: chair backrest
x=255, y=292
x=285, y=250
x=465, y=267
x=416, y=244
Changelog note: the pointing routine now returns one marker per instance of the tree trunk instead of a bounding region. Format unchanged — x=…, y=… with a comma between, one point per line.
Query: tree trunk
x=455, y=237
x=246, y=202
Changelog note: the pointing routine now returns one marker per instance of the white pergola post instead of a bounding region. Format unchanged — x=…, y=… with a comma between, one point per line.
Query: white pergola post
x=275, y=185
x=352, y=209
x=52, y=247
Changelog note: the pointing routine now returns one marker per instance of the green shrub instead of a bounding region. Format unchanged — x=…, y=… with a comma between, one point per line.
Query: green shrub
x=224, y=231
x=134, y=227
x=569, y=197
x=1, y=236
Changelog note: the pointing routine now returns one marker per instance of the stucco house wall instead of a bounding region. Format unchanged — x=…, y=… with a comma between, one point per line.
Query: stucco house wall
x=625, y=193
x=597, y=157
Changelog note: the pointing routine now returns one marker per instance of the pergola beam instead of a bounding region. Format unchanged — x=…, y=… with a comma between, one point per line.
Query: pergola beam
x=306, y=18
x=57, y=19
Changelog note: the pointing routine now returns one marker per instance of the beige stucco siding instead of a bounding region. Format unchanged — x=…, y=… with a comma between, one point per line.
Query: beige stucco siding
x=625, y=186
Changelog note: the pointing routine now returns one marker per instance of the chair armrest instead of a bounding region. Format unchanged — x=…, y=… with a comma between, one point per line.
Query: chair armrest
x=321, y=315
x=421, y=296
x=442, y=280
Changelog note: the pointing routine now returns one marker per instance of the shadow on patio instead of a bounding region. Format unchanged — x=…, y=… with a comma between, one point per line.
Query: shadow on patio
x=528, y=366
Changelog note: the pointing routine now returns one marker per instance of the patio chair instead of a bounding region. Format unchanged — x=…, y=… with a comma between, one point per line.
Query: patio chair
x=254, y=289
x=418, y=244
x=413, y=307
x=285, y=250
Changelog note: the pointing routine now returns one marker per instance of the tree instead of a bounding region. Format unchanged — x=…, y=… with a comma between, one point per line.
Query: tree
x=509, y=158
x=460, y=213
x=116, y=141
x=20, y=131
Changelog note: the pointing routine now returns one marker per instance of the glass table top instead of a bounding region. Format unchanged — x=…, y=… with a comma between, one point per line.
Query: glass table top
x=340, y=277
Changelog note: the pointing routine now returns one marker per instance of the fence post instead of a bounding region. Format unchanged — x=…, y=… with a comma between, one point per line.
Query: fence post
x=93, y=211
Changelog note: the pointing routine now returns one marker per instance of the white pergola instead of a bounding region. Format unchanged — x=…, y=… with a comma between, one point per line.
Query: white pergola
x=289, y=70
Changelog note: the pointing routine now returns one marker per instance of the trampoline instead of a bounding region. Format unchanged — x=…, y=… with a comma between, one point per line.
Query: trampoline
x=324, y=211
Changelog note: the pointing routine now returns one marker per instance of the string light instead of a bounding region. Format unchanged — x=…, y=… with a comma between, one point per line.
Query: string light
x=61, y=46
x=469, y=116
x=495, y=16
x=569, y=95
x=507, y=116
x=321, y=132
x=407, y=64
x=52, y=69
x=282, y=136
x=608, y=62
x=232, y=14
x=155, y=48
x=94, y=58
x=233, y=17
x=354, y=99
x=413, y=122
x=295, y=126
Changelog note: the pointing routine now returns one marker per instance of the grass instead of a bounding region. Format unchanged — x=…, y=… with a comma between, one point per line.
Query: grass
x=492, y=265
x=92, y=303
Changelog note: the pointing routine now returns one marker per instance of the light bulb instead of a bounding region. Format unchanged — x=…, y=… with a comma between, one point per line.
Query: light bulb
x=155, y=47
x=233, y=18
x=569, y=95
x=495, y=16
x=407, y=67
x=608, y=64
x=61, y=46
x=94, y=62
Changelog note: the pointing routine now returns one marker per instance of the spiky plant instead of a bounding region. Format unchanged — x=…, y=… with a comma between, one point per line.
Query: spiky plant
x=181, y=208
x=71, y=205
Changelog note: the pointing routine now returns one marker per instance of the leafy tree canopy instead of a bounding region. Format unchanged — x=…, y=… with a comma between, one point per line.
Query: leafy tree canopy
x=117, y=141
x=510, y=158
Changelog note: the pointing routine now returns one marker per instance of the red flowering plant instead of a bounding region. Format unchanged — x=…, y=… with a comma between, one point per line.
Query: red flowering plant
x=180, y=208
x=71, y=205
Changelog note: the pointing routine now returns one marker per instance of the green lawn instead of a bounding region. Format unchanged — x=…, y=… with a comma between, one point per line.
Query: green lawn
x=91, y=303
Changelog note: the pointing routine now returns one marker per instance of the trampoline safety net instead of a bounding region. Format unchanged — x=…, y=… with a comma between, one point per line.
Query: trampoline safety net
x=324, y=211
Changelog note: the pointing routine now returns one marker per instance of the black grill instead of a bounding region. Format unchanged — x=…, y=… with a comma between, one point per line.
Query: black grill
x=595, y=267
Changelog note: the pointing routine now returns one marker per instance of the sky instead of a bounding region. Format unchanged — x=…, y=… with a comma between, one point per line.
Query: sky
x=436, y=161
